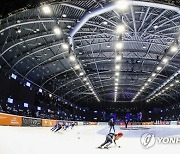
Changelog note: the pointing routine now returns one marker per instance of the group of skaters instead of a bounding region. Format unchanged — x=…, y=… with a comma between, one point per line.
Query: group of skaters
x=63, y=126
x=110, y=137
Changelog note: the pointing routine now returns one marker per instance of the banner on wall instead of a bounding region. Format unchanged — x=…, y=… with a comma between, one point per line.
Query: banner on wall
x=10, y=120
x=48, y=123
x=147, y=123
x=173, y=123
x=79, y=123
x=102, y=123
x=33, y=122
x=136, y=123
x=167, y=122
x=85, y=123
x=93, y=123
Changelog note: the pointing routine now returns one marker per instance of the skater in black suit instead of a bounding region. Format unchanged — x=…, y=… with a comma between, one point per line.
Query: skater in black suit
x=111, y=137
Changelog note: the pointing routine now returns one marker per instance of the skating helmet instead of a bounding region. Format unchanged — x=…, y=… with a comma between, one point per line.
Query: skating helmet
x=120, y=134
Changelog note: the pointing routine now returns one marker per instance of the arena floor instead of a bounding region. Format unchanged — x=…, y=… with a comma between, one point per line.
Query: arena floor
x=81, y=140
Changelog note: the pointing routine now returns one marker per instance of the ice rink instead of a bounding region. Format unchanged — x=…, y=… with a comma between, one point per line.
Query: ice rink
x=81, y=140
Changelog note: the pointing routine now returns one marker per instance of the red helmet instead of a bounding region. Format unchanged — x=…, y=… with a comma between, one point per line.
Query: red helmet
x=120, y=134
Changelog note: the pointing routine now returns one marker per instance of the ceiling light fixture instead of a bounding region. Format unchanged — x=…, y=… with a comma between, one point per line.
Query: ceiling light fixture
x=46, y=9
x=122, y=5
x=121, y=29
x=57, y=31
x=119, y=45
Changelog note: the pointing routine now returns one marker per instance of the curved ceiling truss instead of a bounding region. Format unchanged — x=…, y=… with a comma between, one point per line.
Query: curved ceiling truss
x=29, y=47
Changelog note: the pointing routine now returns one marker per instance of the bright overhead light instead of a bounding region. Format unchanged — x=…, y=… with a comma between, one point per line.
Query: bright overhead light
x=145, y=84
x=121, y=29
x=19, y=30
x=177, y=81
x=156, y=26
x=122, y=5
x=119, y=45
x=84, y=79
x=118, y=58
x=117, y=79
x=72, y=58
x=69, y=26
x=165, y=60
x=105, y=22
x=57, y=31
x=159, y=68
x=50, y=95
x=46, y=9
x=149, y=80
x=117, y=67
x=108, y=46
x=81, y=74
x=154, y=74
x=87, y=83
x=116, y=84
x=64, y=15
x=77, y=66
x=172, y=85
x=174, y=48
x=65, y=46
x=144, y=47
x=117, y=74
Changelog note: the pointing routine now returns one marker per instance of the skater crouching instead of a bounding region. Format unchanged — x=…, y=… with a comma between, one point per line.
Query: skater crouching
x=111, y=137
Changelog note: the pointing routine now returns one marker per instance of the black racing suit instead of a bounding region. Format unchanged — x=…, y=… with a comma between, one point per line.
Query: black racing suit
x=109, y=139
x=58, y=128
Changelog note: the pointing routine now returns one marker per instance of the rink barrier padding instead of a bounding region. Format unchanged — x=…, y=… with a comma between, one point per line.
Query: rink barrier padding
x=147, y=123
x=48, y=123
x=123, y=123
x=10, y=120
x=85, y=123
x=32, y=122
x=93, y=123
x=80, y=123
x=174, y=123
x=102, y=123
x=14, y=120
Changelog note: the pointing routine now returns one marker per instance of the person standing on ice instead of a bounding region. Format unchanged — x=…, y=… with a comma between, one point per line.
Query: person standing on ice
x=111, y=137
x=111, y=124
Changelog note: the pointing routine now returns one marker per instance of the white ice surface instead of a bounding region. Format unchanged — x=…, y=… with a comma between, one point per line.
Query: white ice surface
x=80, y=140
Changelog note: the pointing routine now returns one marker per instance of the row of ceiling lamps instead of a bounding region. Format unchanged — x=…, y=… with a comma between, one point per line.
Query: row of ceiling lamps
x=121, y=5
x=173, y=49
x=82, y=75
x=165, y=88
x=120, y=29
x=47, y=10
x=173, y=77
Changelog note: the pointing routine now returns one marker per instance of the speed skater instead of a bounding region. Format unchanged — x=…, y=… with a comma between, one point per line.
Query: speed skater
x=111, y=137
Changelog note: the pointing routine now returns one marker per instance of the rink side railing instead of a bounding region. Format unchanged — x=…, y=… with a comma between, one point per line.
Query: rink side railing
x=14, y=120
